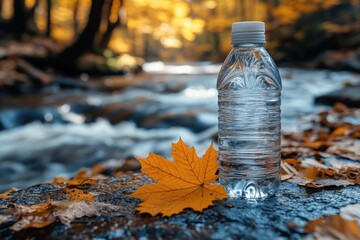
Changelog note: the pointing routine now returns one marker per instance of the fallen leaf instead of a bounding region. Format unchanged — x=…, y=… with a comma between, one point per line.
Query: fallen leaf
x=340, y=107
x=340, y=165
x=67, y=211
x=351, y=212
x=355, y=132
x=5, y=194
x=311, y=173
x=326, y=183
x=82, y=177
x=339, y=132
x=183, y=183
x=77, y=195
x=312, y=163
x=316, y=145
x=97, y=169
x=59, y=180
x=45, y=213
x=292, y=161
x=333, y=227
x=285, y=177
x=314, y=174
x=346, y=148
x=36, y=216
x=6, y=218
x=288, y=168
x=287, y=171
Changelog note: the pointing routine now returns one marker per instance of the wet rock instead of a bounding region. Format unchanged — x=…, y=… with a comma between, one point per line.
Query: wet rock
x=339, y=60
x=150, y=102
x=231, y=219
x=349, y=96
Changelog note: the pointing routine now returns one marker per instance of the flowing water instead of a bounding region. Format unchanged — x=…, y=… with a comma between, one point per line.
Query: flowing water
x=57, y=133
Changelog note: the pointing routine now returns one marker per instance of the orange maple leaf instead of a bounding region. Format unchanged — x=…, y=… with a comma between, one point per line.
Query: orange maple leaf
x=183, y=183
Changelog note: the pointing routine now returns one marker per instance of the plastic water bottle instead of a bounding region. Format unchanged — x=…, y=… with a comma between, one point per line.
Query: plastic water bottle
x=249, y=90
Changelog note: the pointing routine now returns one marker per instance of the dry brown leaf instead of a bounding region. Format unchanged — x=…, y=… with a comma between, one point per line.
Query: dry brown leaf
x=346, y=148
x=6, y=218
x=339, y=132
x=333, y=227
x=313, y=174
x=355, y=132
x=310, y=163
x=184, y=183
x=327, y=182
x=82, y=177
x=316, y=145
x=80, y=203
x=36, y=216
x=287, y=171
x=286, y=177
x=97, y=169
x=77, y=195
x=340, y=165
x=290, y=151
x=340, y=107
x=310, y=173
x=45, y=213
x=67, y=211
x=288, y=168
x=329, y=137
x=39, y=215
x=5, y=194
x=351, y=174
x=351, y=212
x=59, y=180
x=292, y=161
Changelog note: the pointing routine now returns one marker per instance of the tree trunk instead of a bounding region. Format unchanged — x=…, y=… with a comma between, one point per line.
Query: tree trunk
x=76, y=25
x=30, y=19
x=270, y=9
x=67, y=58
x=111, y=25
x=48, y=18
x=19, y=19
x=1, y=3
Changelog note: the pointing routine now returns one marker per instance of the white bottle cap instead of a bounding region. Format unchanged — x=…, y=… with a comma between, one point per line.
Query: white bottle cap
x=248, y=32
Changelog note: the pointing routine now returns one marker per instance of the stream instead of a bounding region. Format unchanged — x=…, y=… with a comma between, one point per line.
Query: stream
x=56, y=133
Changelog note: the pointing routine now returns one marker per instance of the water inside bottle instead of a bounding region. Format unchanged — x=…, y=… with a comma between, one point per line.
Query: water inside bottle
x=249, y=141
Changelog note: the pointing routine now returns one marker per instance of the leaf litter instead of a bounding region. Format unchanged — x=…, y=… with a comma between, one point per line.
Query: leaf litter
x=308, y=156
x=344, y=226
x=79, y=203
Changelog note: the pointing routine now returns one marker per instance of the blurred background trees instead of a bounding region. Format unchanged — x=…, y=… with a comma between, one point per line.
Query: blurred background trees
x=298, y=31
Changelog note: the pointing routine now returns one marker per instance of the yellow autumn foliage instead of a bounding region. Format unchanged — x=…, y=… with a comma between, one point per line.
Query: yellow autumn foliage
x=288, y=11
x=153, y=27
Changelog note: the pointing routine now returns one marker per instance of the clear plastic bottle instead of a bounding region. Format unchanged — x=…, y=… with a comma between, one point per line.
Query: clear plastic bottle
x=249, y=90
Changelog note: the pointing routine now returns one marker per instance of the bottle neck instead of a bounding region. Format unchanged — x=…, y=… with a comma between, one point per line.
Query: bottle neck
x=248, y=45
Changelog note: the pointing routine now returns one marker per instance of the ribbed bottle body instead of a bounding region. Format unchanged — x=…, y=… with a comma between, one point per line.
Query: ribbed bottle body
x=249, y=99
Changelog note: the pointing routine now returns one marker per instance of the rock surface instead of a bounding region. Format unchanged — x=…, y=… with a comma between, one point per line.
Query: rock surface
x=278, y=218
x=349, y=96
